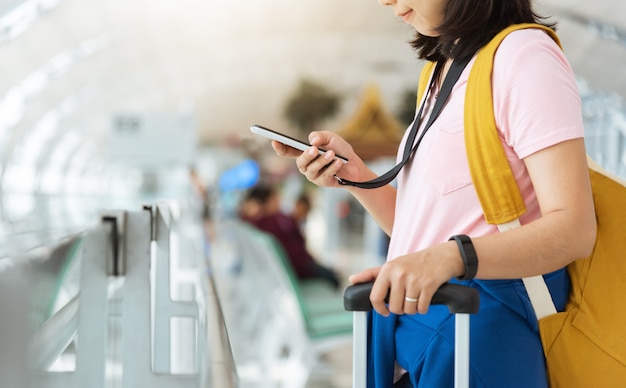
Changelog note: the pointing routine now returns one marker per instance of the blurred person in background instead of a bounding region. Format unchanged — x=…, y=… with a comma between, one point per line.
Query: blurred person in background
x=261, y=208
x=301, y=209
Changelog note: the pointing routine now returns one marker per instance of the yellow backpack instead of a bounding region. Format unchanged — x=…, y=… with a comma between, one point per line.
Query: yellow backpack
x=585, y=346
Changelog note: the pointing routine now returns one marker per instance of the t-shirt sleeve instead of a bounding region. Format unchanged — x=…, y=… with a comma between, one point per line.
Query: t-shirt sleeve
x=536, y=99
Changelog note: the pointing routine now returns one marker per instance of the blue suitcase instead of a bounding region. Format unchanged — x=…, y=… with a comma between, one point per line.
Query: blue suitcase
x=461, y=301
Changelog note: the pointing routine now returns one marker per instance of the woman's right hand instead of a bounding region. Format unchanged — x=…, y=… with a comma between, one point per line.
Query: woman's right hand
x=321, y=169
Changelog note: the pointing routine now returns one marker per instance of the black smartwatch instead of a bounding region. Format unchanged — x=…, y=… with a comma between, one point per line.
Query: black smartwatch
x=468, y=253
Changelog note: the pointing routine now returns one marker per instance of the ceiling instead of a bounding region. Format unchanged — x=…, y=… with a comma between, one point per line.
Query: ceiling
x=71, y=65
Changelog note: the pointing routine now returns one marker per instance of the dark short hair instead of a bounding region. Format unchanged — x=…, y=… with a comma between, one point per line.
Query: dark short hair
x=260, y=193
x=470, y=24
x=304, y=199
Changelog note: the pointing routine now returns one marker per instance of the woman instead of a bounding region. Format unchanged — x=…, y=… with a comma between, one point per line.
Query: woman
x=538, y=115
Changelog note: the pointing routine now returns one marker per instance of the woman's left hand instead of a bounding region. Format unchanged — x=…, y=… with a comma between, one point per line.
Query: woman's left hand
x=411, y=280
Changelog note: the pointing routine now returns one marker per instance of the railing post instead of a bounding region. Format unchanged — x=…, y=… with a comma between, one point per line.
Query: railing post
x=136, y=326
x=14, y=303
x=164, y=307
x=93, y=309
x=137, y=315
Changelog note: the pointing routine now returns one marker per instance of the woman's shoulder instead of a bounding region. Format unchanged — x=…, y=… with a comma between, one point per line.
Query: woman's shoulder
x=525, y=36
x=533, y=84
x=525, y=41
x=529, y=53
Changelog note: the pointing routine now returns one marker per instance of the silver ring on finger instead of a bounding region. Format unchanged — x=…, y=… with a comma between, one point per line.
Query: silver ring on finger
x=410, y=300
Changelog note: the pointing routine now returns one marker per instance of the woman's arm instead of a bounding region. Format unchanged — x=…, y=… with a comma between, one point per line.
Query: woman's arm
x=321, y=170
x=565, y=232
x=380, y=203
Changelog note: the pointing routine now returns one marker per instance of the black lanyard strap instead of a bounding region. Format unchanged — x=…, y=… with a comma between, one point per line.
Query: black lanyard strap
x=409, y=148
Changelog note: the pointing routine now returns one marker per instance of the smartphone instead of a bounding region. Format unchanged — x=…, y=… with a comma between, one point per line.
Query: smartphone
x=288, y=140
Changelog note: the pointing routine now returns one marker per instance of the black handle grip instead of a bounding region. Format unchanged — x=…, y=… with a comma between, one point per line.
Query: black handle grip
x=458, y=298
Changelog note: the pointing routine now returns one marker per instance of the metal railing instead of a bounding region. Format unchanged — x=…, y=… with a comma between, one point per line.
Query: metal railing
x=121, y=327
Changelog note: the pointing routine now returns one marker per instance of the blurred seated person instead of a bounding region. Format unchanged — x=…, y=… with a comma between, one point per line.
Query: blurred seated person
x=301, y=209
x=261, y=208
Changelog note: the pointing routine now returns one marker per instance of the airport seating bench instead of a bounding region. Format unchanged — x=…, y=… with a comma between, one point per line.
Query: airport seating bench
x=321, y=305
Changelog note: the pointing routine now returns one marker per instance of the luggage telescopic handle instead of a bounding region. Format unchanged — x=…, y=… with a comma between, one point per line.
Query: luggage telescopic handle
x=458, y=298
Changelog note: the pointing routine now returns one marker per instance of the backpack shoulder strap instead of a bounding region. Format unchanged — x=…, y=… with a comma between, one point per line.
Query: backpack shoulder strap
x=491, y=174
x=493, y=179
x=425, y=74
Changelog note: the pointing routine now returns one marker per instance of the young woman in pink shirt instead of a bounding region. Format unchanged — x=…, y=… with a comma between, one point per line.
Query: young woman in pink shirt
x=538, y=115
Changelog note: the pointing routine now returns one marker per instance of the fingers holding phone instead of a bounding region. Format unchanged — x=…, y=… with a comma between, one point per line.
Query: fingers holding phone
x=288, y=141
x=319, y=160
x=319, y=169
x=284, y=150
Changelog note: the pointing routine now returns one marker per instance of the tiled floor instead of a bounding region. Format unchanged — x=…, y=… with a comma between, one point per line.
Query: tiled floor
x=334, y=370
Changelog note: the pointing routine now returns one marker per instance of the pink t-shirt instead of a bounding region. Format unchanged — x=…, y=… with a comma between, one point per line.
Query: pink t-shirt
x=536, y=105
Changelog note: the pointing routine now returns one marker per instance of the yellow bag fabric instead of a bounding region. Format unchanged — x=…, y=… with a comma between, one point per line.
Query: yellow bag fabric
x=585, y=346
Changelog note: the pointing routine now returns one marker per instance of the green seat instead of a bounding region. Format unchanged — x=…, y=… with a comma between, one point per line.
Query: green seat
x=319, y=297
x=321, y=305
x=324, y=326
